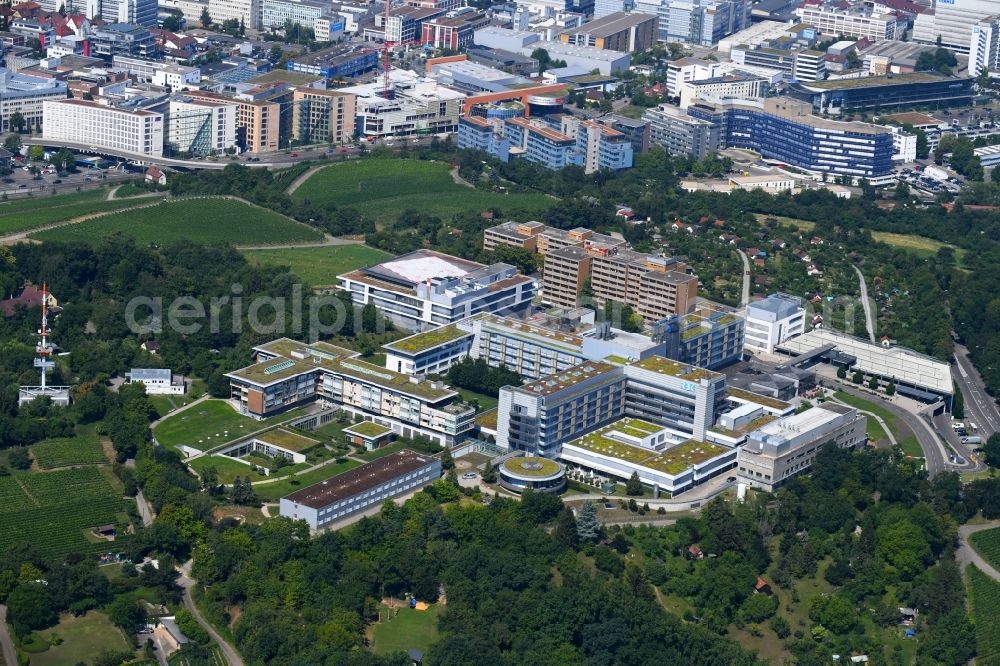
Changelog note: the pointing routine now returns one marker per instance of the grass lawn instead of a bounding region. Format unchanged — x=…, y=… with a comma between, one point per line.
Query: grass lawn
x=987, y=543
x=984, y=594
x=200, y=220
x=410, y=628
x=278, y=489
x=319, y=266
x=423, y=186
x=84, y=638
x=919, y=245
x=801, y=225
x=898, y=428
x=486, y=402
x=226, y=467
x=210, y=424
x=382, y=452
x=164, y=404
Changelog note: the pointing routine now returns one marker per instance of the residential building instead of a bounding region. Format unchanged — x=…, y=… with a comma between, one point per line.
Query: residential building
x=479, y=133
x=700, y=22
x=723, y=87
x=139, y=132
x=853, y=23
x=653, y=286
x=617, y=31
x=176, y=77
x=26, y=95
x=425, y=289
x=322, y=116
x=689, y=69
x=884, y=93
x=952, y=21
x=113, y=39
x=786, y=448
x=246, y=12
x=636, y=129
x=773, y=320
x=566, y=272
x=258, y=115
x=418, y=105
x=274, y=13
x=680, y=134
x=539, y=143
x=785, y=130
x=200, y=128
x=904, y=145
x=454, y=31
x=360, y=489
x=809, y=65
x=602, y=147
x=288, y=374
x=984, y=45
x=157, y=381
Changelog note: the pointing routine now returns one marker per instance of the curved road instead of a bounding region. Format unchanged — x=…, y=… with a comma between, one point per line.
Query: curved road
x=185, y=581
x=9, y=653
x=979, y=404
x=966, y=554
x=745, y=297
x=866, y=304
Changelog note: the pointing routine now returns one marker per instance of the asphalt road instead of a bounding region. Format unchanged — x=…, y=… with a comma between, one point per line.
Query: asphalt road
x=745, y=296
x=980, y=407
x=866, y=304
x=185, y=581
x=9, y=653
x=935, y=455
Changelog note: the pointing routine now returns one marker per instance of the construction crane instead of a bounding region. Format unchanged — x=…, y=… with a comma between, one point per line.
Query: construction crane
x=386, y=55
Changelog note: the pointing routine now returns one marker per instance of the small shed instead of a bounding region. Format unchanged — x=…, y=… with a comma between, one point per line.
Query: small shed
x=695, y=552
x=369, y=435
x=761, y=586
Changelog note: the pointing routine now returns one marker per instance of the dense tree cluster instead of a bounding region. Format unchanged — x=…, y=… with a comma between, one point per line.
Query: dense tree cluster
x=477, y=375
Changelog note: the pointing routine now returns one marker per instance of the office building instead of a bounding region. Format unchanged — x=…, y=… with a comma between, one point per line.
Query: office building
x=453, y=31
x=636, y=129
x=246, y=12
x=952, y=21
x=138, y=132
x=539, y=143
x=418, y=105
x=809, y=65
x=680, y=134
x=426, y=289
x=26, y=95
x=853, y=23
x=783, y=129
x=710, y=337
x=689, y=69
x=288, y=374
x=589, y=58
x=884, y=93
x=617, y=31
x=773, y=320
x=786, y=448
x=336, y=62
x=699, y=22
x=137, y=12
x=322, y=116
x=274, y=13
x=259, y=118
x=984, y=46
x=477, y=133
x=723, y=87
x=199, y=128
x=361, y=489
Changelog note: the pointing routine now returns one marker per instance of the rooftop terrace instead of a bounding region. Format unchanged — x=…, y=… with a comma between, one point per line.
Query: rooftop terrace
x=368, y=429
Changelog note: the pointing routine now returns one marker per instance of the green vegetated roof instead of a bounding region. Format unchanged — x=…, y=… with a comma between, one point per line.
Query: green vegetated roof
x=765, y=400
x=614, y=358
x=666, y=366
x=428, y=339
x=380, y=376
x=531, y=466
x=288, y=440
x=488, y=419
x=368, y=429
x=673, y=461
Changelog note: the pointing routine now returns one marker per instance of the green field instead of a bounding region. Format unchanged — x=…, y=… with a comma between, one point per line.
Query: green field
x=486, y=402
x=278, y=489
x=210, y=424
x=919, y=245
x=410, y=628
x=65, y=451
x=200, y=220
x=901, y=432
x=984, y=594
x=226, y=467
x=84, y=638
x=383, y=188
x=987, y=543
x=54, y=510
x=319, y=266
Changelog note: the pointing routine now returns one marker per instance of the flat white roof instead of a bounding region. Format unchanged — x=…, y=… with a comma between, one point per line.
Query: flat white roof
x=901, y=363
x=422, y=269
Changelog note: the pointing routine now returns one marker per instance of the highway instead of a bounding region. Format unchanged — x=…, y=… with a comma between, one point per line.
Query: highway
x=980, y=407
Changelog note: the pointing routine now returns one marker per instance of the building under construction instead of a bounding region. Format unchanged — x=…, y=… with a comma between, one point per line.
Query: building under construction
x=59, y=395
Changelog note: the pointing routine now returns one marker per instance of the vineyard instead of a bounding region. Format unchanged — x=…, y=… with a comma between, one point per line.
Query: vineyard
x=54, y=510
x=985, y=595
x=200, y=220
x=31, y=213
x=66, y=451
x=987, y=543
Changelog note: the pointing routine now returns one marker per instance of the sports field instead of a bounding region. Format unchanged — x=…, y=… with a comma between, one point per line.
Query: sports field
x=410, y=628
x=319, y=266
x=384, y=188
x=200, y=220
x=55, y=511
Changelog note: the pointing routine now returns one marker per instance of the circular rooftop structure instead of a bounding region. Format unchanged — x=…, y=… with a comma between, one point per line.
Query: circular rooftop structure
x=539, y=474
